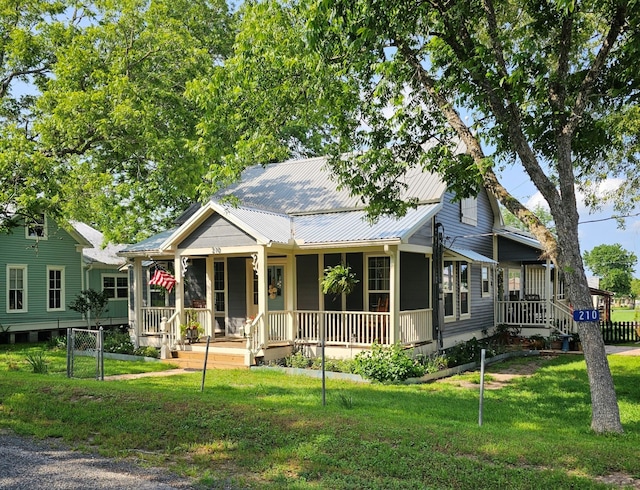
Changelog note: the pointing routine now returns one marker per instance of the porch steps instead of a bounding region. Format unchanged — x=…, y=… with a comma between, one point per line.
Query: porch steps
x=218, y=358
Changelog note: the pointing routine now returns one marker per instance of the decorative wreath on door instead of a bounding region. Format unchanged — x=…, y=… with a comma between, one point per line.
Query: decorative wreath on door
x=273, y=292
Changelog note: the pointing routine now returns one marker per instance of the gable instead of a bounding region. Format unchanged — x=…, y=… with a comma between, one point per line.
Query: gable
x=215, y=231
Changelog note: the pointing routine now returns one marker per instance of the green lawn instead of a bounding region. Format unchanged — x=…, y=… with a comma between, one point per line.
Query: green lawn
x=263, y=429
x=624, y=315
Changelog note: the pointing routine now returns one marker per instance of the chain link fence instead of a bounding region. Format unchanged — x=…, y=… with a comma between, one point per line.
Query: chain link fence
x=85, y=353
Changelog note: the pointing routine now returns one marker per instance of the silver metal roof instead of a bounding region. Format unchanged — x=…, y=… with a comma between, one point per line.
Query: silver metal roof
x=308, y=186
x=151, y=244
x=272, y=226
x=352, y=226
x=104, y=254
x=470, y=255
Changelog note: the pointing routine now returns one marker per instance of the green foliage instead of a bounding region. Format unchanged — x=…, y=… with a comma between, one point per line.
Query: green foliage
x=387, y=363
x=339, y=280
x=91, y=303
x=297, y=360
x=471, y=351
x=117, y=342
x=542, y=213
x=614, y=265
x=38, y=362
x=434, y=363
x=147, y=351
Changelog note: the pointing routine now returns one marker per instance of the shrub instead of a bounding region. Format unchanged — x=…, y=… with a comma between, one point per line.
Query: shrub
x=387, y=364
x=297, y=360
x=434, y=363
x=117, y=342
x=147, y=351
x=38, y=362
x=334, y=365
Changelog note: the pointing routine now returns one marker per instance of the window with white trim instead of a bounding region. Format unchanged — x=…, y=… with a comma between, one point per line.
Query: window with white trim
x=218, y=286
x=448, y=288
x=55, y=288
x=16, y=288
x=463, y=276
x=36, y=228
x=469, y=211
x=485, y=282
x=116, y=286
x=378, y=283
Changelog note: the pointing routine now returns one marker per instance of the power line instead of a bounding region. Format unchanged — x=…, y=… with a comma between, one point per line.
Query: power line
x=609, y=218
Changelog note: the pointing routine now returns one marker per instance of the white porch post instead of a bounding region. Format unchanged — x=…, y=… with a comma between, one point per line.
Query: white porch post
x=290, y=299
x=263, y=306
x=179, y=287
x=394, y=291
x=548, y=292
x=136, y=314
x=211, y=307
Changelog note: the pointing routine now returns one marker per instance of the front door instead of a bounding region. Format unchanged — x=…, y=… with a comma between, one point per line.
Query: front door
x=275, y=280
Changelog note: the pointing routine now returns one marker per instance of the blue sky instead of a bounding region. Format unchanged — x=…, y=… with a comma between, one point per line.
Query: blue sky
x=591, y=233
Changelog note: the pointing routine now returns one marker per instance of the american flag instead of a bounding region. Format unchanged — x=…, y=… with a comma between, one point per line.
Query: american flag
x=163, y=279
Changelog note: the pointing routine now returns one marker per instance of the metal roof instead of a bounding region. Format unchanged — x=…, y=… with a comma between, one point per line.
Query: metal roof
x=469, y=255
x=352, y=226
x=519, y=236
x=272, y=226
x=151, y=244
x=308, y=186
x=104, y=254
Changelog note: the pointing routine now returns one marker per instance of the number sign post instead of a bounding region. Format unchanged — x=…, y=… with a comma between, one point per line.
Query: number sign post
x=586, y=315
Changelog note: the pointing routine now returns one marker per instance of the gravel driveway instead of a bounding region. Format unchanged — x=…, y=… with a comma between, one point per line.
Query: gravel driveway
x=26, y=463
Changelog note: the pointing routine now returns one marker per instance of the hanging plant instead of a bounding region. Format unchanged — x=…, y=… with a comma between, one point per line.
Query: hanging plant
x=338, y=280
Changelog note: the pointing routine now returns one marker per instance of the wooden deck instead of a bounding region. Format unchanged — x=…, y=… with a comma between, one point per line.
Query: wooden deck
x=224, y=353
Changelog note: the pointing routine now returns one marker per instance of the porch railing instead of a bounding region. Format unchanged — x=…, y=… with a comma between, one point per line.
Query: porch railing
x=538, y=313
x=343, y=327
x=415, y=326
x=202, y=316
x=152, y=318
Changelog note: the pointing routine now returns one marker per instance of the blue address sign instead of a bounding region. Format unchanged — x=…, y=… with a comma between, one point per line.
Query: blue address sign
x=586, y=315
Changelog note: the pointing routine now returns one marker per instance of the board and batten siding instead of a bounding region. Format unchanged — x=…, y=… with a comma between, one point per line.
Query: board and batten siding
x=57, y=250
x=478, y=237
x=216, y=231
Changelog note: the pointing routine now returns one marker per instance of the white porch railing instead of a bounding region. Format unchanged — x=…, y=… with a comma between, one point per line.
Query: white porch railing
x=280, y=326
x=538, y=313
x=415, y=326
x=152, y=318
x=202, y=316
x=344, y=327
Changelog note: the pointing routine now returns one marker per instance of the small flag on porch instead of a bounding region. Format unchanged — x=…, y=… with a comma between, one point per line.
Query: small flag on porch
x=163, y=279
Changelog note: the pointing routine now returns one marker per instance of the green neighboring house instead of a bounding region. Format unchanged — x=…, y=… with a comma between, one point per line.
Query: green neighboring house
x=42, y=268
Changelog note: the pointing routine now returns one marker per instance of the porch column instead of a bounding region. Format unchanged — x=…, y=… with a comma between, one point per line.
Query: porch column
x=179, y=287
x=135, y=314
x=394, y=292
x=263, y=306
x=209, y=328
x=290, y=298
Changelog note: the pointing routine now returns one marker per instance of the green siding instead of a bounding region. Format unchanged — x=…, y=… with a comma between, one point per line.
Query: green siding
x=57, y=250
x=118, y=309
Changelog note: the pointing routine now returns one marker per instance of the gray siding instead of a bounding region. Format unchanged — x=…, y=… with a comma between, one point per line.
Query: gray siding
x=215, y=231
x=414, y=281
x=307, y=286
x=195, y=281
x=237, y=291
x=424, y=236
x=479, y=239
x=510, y=251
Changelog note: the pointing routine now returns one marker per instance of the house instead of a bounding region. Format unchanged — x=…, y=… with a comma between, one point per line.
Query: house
x=43, y=267
x=445, y=272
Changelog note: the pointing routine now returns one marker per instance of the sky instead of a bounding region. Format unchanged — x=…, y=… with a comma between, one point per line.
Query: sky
x=594, y=229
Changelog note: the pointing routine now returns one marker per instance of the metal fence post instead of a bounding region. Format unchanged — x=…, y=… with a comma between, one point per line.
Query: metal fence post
x=69, y=351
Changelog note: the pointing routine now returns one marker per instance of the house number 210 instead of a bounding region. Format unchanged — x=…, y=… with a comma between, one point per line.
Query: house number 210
x=586, y=315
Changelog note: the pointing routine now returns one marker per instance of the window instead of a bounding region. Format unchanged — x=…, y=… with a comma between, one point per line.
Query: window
x=469, y=211
x=218, y=286
x=116, y=286
x=55, y=289
x=465, y=302
x=448, y=288
x=36, y=228
x=485, y=282
x=378, y=283
x=16, y=288
x=514, y=284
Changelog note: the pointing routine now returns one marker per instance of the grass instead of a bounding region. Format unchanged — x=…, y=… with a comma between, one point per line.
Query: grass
x=624, y=315
x=264, y=429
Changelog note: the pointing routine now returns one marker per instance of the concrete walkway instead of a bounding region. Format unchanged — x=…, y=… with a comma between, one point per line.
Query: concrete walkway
x=623, y=350
x=166, y=372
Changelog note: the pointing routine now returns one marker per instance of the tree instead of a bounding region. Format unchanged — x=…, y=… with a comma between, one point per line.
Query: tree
x=635, y=288
x=105, y=135
x=91, y=304
x=543, y=215
x=549, y=87
x=614, y=265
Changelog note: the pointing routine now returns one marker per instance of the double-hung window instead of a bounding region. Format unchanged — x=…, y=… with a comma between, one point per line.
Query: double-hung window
x=486, y=291
x=36, y=228
x=55, y=288
x=465, y=301
x=16, y=288
x=116, y=286
x=455, y=289
x=448, y=288
x=378, y=283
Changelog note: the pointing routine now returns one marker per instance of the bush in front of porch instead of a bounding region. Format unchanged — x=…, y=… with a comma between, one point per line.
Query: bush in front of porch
x=387, y=363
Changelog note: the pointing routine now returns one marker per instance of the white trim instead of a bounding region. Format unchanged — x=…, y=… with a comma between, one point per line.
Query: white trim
x=25, y=288
x=484, y=294
x=115, y=288
x=367, y=291
x=63, y=288
x=30, y=224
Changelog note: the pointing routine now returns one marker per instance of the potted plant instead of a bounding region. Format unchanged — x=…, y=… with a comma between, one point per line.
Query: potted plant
x=555, y=342
x=574, y=343
x=192, y=330
x=339, y=280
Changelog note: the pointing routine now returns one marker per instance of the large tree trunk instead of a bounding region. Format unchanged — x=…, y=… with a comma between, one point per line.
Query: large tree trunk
x=605, y=414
